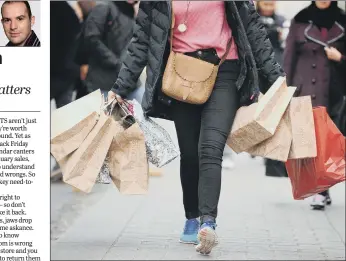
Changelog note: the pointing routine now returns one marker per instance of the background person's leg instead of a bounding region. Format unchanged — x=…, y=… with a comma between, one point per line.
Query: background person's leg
x=64, y=98
x=274, y=168
x=81, y=89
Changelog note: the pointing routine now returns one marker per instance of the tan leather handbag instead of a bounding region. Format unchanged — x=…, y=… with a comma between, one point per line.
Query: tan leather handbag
x=189, y=79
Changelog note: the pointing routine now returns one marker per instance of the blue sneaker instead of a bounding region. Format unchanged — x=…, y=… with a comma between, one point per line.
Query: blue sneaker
x=189, y=236
x=207, y=238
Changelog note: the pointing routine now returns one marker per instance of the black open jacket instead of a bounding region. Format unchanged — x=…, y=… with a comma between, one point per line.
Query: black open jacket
x=150, y=47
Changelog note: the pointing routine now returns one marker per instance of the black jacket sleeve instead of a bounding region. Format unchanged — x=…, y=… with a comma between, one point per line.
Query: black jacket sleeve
x=262, y=49
x=94, y=34
x=137, y=53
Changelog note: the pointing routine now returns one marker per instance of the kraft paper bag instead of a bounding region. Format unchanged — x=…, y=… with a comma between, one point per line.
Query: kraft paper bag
x=128, y=163
x=71, y=124
x=259, y=121
x=81, y=168
x=303, y=128
x=278, y=146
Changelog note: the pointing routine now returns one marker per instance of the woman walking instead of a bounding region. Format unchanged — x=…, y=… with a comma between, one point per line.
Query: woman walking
x=314, y=60
x=274, y=23
x=209, y=31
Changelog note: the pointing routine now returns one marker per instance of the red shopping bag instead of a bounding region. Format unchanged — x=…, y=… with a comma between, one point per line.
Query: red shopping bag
x=313, y=175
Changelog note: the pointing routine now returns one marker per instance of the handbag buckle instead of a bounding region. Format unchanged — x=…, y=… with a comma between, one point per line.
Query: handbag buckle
x=188, y=89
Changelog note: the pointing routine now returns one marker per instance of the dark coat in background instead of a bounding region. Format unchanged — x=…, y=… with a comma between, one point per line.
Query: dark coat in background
x=150, y=47
x=64, y=28
x=306, y=63
x=273, y=24
x=108, y=31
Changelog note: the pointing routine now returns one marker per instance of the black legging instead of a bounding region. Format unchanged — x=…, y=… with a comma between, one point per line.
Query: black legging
x=202, y=132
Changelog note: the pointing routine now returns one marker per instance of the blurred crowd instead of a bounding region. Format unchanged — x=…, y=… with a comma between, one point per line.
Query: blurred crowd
x=89, y=40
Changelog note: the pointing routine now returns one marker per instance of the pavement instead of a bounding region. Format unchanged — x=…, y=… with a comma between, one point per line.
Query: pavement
x=258, y=219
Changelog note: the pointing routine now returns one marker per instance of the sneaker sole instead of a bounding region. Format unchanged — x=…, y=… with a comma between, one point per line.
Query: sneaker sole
x=187, y=243
x=318, y=207
x=208, y=240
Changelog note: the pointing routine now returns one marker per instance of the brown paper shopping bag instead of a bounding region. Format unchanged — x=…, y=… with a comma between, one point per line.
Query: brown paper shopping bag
x=303, y=128
x=72, y=123
x=80, y=168
x=128, y=164
x=258, y=122
x=278, y=146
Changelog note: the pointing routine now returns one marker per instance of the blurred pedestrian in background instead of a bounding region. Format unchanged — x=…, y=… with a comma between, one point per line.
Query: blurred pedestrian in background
x=108, y=31
x=274, y=25
x=64, y=28
x=314, y=60
x=83, y=8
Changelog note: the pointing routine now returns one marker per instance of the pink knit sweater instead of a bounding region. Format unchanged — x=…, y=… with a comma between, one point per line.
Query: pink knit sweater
x=207, y=27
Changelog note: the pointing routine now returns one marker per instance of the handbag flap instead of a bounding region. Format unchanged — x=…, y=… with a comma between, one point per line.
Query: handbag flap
x=192, y=69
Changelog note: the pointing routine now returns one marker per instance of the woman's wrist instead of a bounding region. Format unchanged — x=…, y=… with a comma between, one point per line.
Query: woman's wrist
x=115, y=87
x=114, y=90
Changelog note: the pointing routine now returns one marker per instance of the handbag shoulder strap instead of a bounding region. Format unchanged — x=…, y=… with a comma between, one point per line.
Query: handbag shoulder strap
x=229, y=43
x=172, y=27
x=228, y=48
